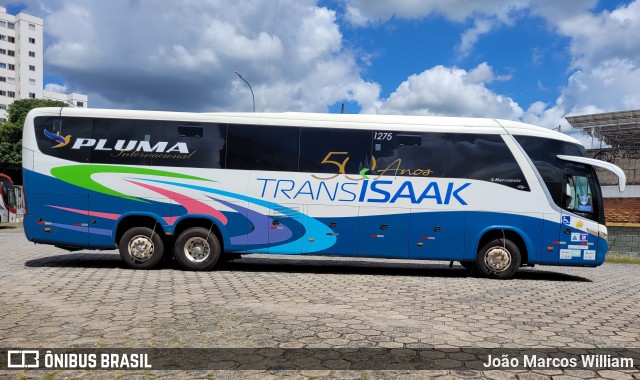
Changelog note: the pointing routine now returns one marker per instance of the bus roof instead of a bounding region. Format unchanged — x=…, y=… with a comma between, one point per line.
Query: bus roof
x=354, y=121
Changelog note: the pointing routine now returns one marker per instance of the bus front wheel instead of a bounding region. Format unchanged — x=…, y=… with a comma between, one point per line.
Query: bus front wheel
x=141, y=248
x=197, y=248
x=499, y=258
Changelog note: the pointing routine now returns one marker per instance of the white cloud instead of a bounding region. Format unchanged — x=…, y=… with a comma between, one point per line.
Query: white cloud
x=471, y=36
x=54, y=87
x=355, y=17
x=596, y=38
x=449, y=91
x=145, y=54
x=610, y=86
x=483, y=73
x=604, y=48
x=454, y=10
x=485, y=15
x=606, y=54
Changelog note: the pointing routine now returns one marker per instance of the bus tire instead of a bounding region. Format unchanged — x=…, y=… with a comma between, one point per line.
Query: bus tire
x=197, y=249
x=499, y=259
x=141, y=248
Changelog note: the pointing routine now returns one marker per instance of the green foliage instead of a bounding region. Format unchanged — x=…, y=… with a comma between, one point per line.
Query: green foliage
x=19, y=109
x=11, y=131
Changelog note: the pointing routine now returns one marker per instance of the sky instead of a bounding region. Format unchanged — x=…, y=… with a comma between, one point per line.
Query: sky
x=533, y=61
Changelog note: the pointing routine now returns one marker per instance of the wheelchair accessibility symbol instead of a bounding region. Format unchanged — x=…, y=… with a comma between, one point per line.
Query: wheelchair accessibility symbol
x=566, y=220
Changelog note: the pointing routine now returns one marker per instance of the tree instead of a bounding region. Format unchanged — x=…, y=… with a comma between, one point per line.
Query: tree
x=11, y=134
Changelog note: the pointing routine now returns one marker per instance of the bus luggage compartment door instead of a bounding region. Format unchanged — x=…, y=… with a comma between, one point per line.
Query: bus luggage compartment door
x=437, y=235
x=383, y=232
x=343, y=229
x=286, y=229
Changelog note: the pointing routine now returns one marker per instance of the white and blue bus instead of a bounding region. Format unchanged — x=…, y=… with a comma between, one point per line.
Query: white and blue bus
x=491, y=194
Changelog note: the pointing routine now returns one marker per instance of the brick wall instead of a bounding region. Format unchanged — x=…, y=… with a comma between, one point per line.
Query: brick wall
x=622, y=210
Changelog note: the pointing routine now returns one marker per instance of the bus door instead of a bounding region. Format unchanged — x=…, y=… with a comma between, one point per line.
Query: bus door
x=580, y=210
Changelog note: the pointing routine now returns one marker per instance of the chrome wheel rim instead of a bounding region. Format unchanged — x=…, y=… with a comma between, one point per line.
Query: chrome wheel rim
x=141, y=247
x=497, y=259
x=197, y=249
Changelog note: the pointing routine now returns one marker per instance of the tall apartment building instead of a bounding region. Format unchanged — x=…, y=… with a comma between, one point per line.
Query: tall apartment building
x=22, y=63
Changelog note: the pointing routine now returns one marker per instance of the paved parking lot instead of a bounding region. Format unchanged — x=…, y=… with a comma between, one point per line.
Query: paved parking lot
x=51, y=298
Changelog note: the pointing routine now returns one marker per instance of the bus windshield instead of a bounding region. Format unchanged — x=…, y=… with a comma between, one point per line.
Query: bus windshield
x=543, y=153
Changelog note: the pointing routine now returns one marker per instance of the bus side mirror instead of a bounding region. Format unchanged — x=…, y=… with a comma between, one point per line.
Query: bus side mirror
x=622, y=178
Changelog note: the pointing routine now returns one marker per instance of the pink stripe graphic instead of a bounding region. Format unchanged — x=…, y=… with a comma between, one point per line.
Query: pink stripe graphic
x=105, y=215
x=193, y=206
x=170, y=219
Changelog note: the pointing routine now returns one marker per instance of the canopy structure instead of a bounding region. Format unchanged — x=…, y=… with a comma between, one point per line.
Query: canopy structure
x=619, y=129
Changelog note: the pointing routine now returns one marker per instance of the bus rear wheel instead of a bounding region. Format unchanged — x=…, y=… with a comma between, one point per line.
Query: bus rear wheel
x=141, y=248
x=499, y=259
x=197, y=249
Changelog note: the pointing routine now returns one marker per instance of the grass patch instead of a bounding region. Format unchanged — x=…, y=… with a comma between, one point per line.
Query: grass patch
x=620, y=259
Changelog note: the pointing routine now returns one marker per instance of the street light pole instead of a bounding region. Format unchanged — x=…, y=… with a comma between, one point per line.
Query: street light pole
x=252, y=96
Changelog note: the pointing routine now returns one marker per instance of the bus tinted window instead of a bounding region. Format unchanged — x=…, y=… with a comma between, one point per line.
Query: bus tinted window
x=204, y=145
x=158, y=143
x=482, y=157
x=64, y=137
x=543, y=153
x=325, y=150
x=260, y=147
x=118, y=141
x=409, y=154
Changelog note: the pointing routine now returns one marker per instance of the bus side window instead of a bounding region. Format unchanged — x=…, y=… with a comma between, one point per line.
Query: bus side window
x=121, y=138
x=68, y=138
x=195, y=131
x=410, y=154
x=324, y=150
x=262, y=147
x=204, y=145
x=484, y=158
